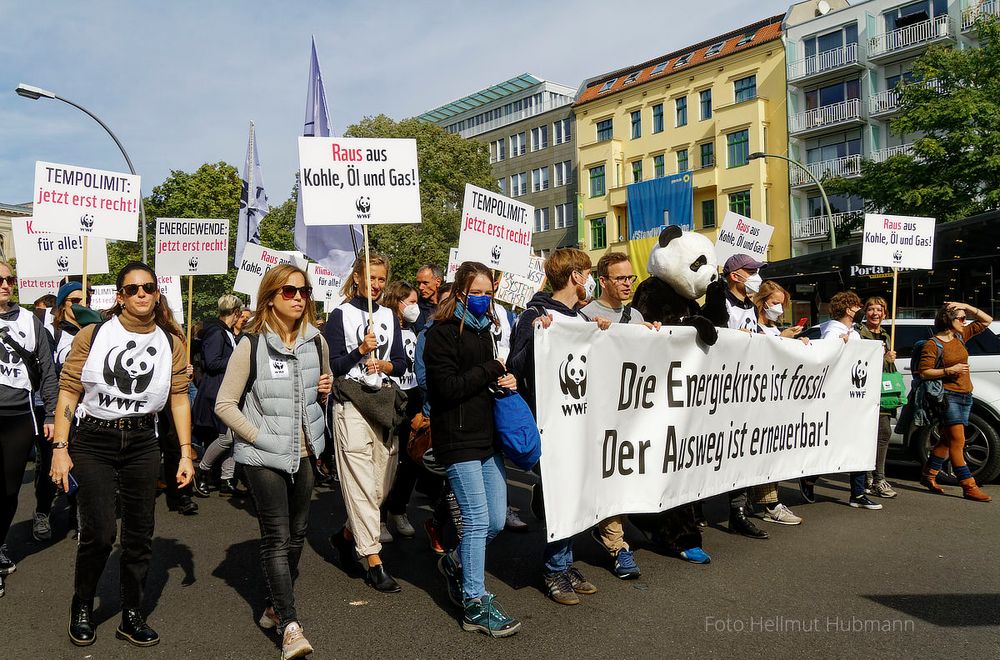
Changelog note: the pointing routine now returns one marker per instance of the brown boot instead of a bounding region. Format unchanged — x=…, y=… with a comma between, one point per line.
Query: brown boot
x=928, y=478
x=971, y=491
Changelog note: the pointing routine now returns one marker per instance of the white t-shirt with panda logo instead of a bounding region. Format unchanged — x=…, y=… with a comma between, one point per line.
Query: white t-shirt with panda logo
x=408, y=379
x=21, y=330
x=742, y=314
x=127, y=374
x=355, y=328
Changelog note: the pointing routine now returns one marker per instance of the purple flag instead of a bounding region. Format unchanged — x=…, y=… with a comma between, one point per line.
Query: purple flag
x=253, y=201
x=331, y=246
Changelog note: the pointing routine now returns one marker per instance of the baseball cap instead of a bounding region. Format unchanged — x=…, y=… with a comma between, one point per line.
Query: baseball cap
x=738, y=261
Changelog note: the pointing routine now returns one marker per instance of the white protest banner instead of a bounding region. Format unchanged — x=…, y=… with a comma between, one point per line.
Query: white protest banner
x=80, y=201
x=170, y=290
x=192, y=246
x=257, y=260
x=741, y=235
x=326, y=285
x=898, y=241
x=453, y=264
x=496, y=231
x=665, y=422
x=30, y=289
x=42, y=254
x=103, y=297
x=359, y=181
x=517, y=290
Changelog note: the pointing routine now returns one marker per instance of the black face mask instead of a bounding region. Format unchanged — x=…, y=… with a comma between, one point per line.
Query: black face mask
x=859, y=316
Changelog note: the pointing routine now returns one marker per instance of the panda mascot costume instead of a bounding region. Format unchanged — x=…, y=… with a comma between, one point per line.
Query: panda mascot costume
x=681, y=267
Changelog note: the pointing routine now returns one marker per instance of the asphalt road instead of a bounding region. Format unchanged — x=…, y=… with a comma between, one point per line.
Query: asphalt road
x=919, y=577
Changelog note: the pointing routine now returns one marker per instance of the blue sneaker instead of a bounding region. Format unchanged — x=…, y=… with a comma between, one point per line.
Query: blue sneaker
x=484, y=615
x=696, y=556
x=452, y=572
x=625, y=566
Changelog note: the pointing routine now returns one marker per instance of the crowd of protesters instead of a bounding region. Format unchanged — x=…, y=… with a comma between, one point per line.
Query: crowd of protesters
x=284, y=402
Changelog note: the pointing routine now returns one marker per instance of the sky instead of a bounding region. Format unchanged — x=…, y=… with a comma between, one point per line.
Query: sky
x=178, y=82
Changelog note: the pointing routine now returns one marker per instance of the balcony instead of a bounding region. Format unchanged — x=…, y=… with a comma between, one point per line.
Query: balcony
x=828, y=64
x=847, y=166
x=889, y=101
x=818, y=228
x=882, y=155
x=838, y=115
x=983, y=9
x=902, y=42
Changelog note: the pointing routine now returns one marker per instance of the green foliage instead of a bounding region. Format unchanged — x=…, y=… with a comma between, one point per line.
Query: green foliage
x=954, y=169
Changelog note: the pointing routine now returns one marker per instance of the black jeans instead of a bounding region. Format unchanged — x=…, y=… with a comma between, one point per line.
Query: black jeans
x=15, y=445
x=103, y=460
x=170, y=449
x=407, y=471
x=282, y=503
x=45, y=490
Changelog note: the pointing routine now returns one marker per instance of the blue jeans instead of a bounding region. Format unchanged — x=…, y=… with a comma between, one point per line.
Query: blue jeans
x=481, y=490
x=558, y=556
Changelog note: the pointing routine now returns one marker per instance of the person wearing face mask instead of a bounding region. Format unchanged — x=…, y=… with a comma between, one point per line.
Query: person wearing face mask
x=871, y=328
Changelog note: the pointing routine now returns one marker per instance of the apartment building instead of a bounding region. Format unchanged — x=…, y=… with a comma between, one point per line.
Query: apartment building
x=528, y=125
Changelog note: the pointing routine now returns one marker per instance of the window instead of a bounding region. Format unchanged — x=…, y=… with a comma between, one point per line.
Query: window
x=825, y=43
x=598, y=234
x=659, y=68
x=738, y=145
x=561, y=131
x=708, y=214
x=540, y=179
x=631, y=78
x=846, y=147
x=838, y=204
x=715, y=49
x=682, y=60
x=745, y=39
x=608, y=85
x=833, y=94
x=745, y=88
x=518, y=184
x=658, y=169
x=502, y=185
x=563, y=173
x=707, y=154
x=604, y=130
x=564, y=215
x=542, y=219
x=517, y=144
x=636, y=171
x=636, y=116
x=705, y=103
x=682, y=160
x=658, y=118
x=911, y=14
x=739, y=202
x=597, y=181
x=539, y=137
x=498, y=150
x=682, y=110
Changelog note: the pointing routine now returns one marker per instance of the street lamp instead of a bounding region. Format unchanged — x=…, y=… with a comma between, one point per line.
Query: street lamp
x=35, y=93
x=829, y=212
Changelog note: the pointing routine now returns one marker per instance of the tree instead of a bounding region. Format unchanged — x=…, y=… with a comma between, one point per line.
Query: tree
x=446, y=163
x=954, y=103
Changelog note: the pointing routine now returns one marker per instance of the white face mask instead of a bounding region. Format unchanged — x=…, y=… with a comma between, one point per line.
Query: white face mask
x=753, y=283
x=774, y=313
x=411, y=313
x=589, y=286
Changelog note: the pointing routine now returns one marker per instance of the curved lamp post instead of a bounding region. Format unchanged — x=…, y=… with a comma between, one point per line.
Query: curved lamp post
x=833, y=233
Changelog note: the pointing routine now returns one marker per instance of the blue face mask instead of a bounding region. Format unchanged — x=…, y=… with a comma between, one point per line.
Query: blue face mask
x=478, y=305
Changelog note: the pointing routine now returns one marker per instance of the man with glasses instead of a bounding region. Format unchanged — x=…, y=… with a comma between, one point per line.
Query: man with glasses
x=614, y=272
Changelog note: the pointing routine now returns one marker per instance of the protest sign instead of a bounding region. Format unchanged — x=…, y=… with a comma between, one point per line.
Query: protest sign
x=741, y=235
x=43, y=254
x=257, y=260
x=170, y=290
x=192, y=246
x=665, y=422
x=103, y=297
x=517, y=290
x=898, y=241
x=453, y=264
x=496, y=231
x=80, y=201
x=352, y=181
x=326, y=285
x=30, y=289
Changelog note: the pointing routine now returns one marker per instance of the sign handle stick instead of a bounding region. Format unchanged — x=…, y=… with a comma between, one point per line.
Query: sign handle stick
x=83, y=279
x=895, y=288
x=189, y=319
x=368, y=285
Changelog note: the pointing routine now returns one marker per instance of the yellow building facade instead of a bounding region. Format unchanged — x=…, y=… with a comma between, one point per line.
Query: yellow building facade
x=703, y=109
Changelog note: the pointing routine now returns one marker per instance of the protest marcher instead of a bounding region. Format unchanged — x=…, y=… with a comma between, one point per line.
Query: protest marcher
x=462, y=367
x=114, y=453
x=363, y=355
x=217, y=344
x=871, y=328
x=429, y=280
x=271, y=398
x=568, y=271
x=23, y=342
x=945, y=358
x=614, y=273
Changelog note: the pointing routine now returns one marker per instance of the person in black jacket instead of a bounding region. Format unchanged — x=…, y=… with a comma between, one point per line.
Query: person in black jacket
x=461, y=368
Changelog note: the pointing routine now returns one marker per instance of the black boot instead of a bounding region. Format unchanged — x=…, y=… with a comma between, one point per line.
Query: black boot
x=81, y=622
x=202, y=483
x=345, y=549
x=182, y=504
x=135, y=630
x=379, y=579
x=740, y=524
x=231, y=488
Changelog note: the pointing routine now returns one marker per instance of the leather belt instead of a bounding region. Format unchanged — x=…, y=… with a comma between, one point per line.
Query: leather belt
x=120, y=424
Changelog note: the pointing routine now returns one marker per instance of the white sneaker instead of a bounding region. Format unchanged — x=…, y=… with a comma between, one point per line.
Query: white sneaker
x=781, y=515
x=385, y=536
x=882, y=488
x=403, y=526
x=514, y=522
x=294, y=644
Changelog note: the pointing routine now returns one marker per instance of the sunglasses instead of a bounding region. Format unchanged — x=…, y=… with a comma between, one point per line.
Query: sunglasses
x=288, y=291
x=10, y=280
x=131, y=289
x=960, y=318
x=75, y=301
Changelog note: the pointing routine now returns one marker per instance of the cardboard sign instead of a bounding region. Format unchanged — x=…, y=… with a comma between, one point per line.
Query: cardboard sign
x=80, y=201
x=170, y=290
x=30, y=289
x=192, y=246
x=42, y=254
x=326, y=285
x=741, y=235
x=496, y=231
x=358, y=181
x=257, y=260
x=517, y=290
x=103, y=297
x=898, y=241
x=453, y=264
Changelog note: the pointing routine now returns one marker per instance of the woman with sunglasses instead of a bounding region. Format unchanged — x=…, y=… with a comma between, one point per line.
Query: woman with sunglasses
x=20, y=332
x=278, y=422
x=118, y=376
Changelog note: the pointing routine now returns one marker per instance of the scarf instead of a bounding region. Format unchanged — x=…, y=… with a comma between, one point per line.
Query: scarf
x=474, y=322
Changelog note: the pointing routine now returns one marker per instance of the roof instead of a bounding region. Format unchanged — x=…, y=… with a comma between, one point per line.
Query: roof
x=482, y=97
x=763, y=31
x=21, y=209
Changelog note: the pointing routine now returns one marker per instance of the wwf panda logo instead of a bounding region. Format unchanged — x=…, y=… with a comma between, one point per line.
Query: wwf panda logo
x=859, y=374
x=130, y=370
x=62, y=262
x=381, y=335
x=495, y=254
x=7, y=354
x=897, y=256
x=410, y=349
x=193, y=262
x=364, y=207
x=278, y=368
x=329, y=294
x=573, y=376
x=87, y=221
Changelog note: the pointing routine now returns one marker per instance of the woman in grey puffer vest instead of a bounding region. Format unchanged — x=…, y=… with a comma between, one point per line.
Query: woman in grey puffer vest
x=274, y=409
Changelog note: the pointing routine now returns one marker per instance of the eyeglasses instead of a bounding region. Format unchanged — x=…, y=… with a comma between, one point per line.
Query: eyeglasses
x=131, y=289
x=75, y=301
x=288, y=291
x=623, y=279
x=960, y=318
x=10, y=280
